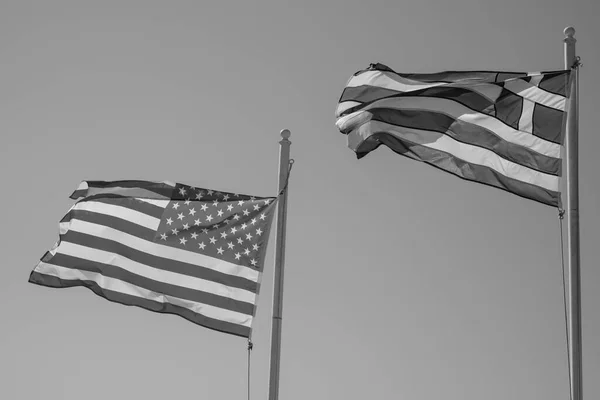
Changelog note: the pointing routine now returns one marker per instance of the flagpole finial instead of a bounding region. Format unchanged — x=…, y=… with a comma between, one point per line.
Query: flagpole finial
x=569, y=32
x=285, y=134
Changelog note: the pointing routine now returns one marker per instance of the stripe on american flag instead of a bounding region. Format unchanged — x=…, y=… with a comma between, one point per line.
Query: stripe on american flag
x=502, y=129
x=119, y=247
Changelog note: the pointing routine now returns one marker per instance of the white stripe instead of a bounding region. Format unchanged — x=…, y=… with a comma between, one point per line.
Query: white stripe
x=126, y=191
x=526, y=119
x=120, y=286
x=458, y=111
x=394, y=82
x=160, y=275
x=345, y=105
x=384, y=80
x=534, y=93
x=119, y=212
x=158, y=203
x=160, y=250
x=465, y=152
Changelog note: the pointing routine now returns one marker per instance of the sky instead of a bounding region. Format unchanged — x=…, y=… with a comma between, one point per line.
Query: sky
x=401, y=281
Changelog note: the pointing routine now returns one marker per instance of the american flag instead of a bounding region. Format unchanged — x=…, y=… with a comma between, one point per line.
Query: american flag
x=170, y=248
x=502, y=129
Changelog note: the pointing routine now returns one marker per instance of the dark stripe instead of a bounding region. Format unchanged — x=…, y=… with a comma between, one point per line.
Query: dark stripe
x=505, y=76
x=159, y=188
x=547, y=123
x=370, y=94
x=78, y=194
x=470, y=134
x=124, y=299
x=449, y=163
x=113, y=271
x=127, y=202
x=112, y=222
x=162, y=263
x=444, y=76
x=366, y=93
x=453, y=76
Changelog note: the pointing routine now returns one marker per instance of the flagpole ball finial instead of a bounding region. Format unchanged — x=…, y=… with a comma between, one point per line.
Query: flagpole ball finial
x=569, y=31
x=285, y=134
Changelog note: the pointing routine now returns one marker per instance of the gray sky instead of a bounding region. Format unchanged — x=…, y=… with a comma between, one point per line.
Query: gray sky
x=401, y=281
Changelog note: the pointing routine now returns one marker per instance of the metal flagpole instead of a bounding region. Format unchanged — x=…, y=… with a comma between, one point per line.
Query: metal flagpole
x=572, y=156
x=284, y=167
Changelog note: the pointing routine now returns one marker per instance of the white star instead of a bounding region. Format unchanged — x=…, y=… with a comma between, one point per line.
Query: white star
x=195, y=235
x=175, y=231
x=199, y=195
x=229, y=207
x=223, y=235
x=183, y=241
x=267, y=202
x=213, y=240
x=236, y=217
x=180, y=216
x=163, y=236
x=263, y=216
x=182, y=191
x=169, y=221
x=259, y=231
x=226, y=197
x=240, y=240
x=197, y=222
x=187, y=202
x=256, y=207
x=192, y=211
x=253, y=221
x=202, y=245
x=233, y=230
x=227, y=221
x=216, y=226
x=215, y=203
x=220, y=250
x=248, y=236
x=176, y=205
x=209, y=218
x=244, y=226
x=237, y=256
x=246, y=212
x=230, y=245
x=253, y=262
x=246, y=251
x=220, y=213
x=204, y=207
x=210, y=192
x=205, y=231
x=252, y=198
x=241, y=203
x=186, y=226
x=254, y=247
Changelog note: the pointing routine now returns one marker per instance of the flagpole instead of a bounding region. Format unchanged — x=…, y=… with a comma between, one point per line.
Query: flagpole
x=284, y=167
x=572, y=156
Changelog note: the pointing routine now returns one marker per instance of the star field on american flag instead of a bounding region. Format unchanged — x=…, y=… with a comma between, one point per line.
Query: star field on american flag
x=227, y=226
